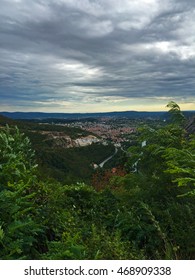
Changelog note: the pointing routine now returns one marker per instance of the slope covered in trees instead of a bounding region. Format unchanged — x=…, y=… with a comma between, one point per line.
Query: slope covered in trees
x=148, y=212
x=54, y=160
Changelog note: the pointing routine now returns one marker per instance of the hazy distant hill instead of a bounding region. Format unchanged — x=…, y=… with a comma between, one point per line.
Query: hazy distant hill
x=127, y=114
x=39, y=115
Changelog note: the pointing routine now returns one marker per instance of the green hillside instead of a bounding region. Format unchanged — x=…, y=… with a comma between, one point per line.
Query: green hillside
x=146, y=212
x=55, y=161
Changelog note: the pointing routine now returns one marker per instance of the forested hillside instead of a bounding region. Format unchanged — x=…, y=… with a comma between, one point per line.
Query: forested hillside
x=145, y=212
x=54, y=160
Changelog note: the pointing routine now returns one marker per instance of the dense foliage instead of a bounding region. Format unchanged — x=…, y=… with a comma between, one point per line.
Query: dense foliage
x=145, y=211
x=73, y=164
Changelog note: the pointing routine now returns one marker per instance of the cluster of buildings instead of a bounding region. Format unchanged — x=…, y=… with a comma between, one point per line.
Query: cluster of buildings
x=101, y=130
x=116, y=135
x=106, y=130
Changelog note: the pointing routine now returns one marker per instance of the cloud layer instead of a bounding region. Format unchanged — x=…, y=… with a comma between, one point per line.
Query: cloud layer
x=96, y=55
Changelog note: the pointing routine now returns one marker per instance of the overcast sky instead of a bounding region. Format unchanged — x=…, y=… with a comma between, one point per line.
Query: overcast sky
x=96, y=55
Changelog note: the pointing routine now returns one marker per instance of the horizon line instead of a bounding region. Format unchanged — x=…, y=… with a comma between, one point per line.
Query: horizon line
x=104, y=112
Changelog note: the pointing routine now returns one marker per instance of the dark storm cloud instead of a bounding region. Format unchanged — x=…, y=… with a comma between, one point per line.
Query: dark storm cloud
x=69, y=51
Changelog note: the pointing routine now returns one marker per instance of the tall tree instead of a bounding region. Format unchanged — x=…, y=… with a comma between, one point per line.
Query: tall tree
x=177, y=116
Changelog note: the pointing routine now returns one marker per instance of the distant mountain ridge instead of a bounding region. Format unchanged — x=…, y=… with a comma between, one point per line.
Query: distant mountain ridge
x=127, y=114
x=40, y=115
